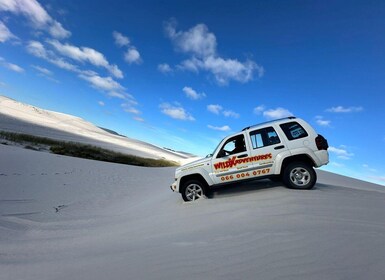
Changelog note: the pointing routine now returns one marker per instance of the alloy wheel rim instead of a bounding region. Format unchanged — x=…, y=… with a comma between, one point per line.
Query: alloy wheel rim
x=300, y=176
x=193, y=192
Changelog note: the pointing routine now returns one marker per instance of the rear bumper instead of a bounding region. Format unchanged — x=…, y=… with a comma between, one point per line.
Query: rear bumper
x=323, y=157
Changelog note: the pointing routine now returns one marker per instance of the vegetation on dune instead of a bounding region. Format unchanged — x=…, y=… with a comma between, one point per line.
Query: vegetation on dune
x=83, y=150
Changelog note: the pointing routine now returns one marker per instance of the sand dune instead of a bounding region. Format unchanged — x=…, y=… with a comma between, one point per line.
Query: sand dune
x=69, y=218
x=23, y=118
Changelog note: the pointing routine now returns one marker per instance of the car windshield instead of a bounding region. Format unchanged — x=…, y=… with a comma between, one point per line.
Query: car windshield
x=216, y=148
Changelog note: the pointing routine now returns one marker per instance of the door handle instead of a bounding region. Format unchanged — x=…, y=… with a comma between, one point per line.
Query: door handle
x=242, y=156
x=279, y=147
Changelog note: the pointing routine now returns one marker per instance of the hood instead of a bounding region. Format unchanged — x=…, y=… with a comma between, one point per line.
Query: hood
x=194, y=164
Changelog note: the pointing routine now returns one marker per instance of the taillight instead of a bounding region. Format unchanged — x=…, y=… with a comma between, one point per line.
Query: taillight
x=321, y=142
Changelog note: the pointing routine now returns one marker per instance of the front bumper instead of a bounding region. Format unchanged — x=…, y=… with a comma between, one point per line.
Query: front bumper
x=173, y=186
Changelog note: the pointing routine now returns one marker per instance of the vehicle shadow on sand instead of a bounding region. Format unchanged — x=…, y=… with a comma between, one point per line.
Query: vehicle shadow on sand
x=242, y=188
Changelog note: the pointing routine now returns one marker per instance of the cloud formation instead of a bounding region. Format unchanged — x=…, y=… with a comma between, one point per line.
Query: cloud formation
x=120, y=39
x=5, y=34
x=192, y=94
x=164, y=68
x=201, y=46
x=220, y=128
x=214, y=108
x=132, y=55
x=176, y=112
x=11, y=66
x=322, y=122
x=277, y=113
x=85, y=54
x=341, y=152
x=218, y=109
x=341, y=109
x=37, y=15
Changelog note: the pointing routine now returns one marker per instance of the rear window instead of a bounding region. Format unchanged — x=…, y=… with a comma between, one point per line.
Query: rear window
x=293, y=130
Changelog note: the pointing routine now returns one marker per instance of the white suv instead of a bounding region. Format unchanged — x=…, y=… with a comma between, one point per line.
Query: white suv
x=285, y=149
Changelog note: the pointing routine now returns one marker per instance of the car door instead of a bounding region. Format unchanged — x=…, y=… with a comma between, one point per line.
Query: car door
x=230, y=159
x=266, y=146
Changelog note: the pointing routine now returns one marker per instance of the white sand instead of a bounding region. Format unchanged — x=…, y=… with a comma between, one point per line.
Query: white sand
x=122, y=222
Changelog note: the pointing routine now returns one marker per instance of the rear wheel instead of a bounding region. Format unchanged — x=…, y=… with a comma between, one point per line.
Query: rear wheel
x=193, y=190
x=298, y=175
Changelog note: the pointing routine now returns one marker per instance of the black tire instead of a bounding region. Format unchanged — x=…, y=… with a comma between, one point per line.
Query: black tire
x=299, y=175
x=193, y=190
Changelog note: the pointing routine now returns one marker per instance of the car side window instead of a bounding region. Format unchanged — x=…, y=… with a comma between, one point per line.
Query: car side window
x=293, y=130
x=264, y=137
x=232, y=146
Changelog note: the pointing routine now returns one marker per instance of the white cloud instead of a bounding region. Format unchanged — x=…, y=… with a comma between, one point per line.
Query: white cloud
x=11, y=66
x=120, y=39
x=225, y=70
x=35, y=13
x=229, y=113
x=37, y=49
x=101, y=103
x=175, y=112
x=341, y=152
x=277, y=113
x=201, y=45
x=85, y=54
x=164, y=68
x=130, y=109
x=341, y=109
x=139, y=119
x=42, y=70
x=102, y=83
x=117, y=95
x=259, y=109
x=220, y=128
x=132, y=56
x=5, y=34
x=57, y=30
x=214, y=108
x=322, y=122
x=218, y=109
x=14, y=67
x=192, y=94
x=197, y=40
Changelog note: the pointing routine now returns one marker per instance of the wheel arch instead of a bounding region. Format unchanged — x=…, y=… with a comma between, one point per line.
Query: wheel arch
x=297, y=158
x=195, y=176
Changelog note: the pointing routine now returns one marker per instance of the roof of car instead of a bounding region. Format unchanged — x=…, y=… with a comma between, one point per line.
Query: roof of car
x=265, y=123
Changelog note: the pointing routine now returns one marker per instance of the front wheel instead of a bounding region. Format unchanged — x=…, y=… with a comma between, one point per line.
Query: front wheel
x=193, y=190
x=298, y=175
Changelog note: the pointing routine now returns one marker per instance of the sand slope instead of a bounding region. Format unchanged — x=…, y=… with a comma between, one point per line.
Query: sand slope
x=68, y=218
x=23, y=118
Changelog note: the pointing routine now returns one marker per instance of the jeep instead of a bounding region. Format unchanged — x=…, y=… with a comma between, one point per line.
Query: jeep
x=285, y=150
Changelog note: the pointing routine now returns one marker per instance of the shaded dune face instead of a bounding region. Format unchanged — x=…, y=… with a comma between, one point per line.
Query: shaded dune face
x=70, y=218
x=23, y=118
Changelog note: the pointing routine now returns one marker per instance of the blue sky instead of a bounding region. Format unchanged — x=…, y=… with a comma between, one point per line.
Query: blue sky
x=184, y=74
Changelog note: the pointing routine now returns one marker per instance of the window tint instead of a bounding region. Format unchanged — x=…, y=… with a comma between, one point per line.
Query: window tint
x=293, y=130
x=234, y=145
x=264, y=137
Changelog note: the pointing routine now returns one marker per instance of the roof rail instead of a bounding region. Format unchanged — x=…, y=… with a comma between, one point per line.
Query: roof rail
x=287, y=118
